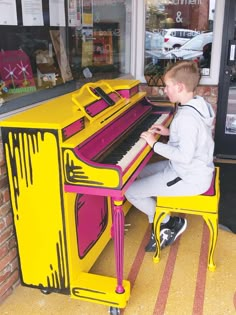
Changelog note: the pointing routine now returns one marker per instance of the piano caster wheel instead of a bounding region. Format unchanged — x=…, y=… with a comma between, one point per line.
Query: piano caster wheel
x=44, y=291
x=114, y=311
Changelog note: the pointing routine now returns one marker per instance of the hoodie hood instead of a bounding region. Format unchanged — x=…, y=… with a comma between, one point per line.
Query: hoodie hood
x=203, y=108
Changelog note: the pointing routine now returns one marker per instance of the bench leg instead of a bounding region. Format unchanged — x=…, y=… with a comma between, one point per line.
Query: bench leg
x=212, y=223
x=159, y=216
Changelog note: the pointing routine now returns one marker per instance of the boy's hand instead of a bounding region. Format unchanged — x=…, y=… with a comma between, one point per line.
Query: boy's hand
x=159, y=129
x=149, y=137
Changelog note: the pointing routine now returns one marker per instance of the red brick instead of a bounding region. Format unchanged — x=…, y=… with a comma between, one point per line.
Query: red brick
x=14, y=264
x=214, y=91
x=2, y=224
x=9, y=282
x=5, y=273
x=207, y=90
x=17, y=283
x=155, y=90
x=5, y=295
x=6, y=260
x=211, y=99
x=3, y=181
x=6, y=195
x=1, y=198
x=2, y=156
x=3, y=170
x=4, y=209
x=8, y=219
x=12, y=242
x=4, y=249
x=6, y=234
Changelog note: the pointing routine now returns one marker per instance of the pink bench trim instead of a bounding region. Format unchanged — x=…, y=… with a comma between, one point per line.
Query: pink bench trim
x=211, y=191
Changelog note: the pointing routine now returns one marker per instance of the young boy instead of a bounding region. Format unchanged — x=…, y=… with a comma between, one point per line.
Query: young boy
x=188, y=168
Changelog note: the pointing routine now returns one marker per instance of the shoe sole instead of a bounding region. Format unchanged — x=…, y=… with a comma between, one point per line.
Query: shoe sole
x=151, y=249
x=164, y=244
x=181, y=230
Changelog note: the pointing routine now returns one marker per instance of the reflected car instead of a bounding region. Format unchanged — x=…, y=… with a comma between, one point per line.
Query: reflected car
x=194, y=49
x=153, y=41
x=197, y=48
x=176, y=37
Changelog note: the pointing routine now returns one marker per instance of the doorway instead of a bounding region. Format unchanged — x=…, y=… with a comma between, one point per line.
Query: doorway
x=225, y=137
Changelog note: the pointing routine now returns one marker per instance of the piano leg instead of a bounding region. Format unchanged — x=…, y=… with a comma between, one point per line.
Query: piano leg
x=118, y=233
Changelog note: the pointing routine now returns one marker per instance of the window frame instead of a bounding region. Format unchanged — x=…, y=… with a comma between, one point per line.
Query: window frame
x=138, y=49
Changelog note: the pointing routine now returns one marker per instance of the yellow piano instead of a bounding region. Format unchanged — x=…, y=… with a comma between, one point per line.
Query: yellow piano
x=69, y=162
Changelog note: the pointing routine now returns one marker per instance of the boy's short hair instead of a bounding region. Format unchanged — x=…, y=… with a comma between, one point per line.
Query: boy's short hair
x=186, y=72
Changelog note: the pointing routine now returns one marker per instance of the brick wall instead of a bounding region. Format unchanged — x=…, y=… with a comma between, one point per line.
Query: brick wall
x=9, y=270
x=209, y=92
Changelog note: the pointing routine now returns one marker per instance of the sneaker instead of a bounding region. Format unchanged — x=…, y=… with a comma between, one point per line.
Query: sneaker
x=171, y=230
x=151, y=246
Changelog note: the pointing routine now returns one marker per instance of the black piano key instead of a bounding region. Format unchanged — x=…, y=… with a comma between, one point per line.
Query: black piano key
x=126, y=143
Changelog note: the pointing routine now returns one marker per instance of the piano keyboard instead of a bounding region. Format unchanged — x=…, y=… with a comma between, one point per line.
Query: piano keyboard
x=130, y=147
x=137, y=147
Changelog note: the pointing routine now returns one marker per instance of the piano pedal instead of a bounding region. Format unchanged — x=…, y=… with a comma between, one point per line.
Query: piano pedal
x=127, y=225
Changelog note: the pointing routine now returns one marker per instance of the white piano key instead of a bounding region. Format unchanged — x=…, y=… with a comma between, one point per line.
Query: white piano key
x=137, y=147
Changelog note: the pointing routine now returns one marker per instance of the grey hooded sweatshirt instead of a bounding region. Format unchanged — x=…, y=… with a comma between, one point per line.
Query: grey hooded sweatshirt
x=190, y=147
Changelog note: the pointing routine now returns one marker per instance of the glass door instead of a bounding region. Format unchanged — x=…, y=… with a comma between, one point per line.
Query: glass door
x=226, y=111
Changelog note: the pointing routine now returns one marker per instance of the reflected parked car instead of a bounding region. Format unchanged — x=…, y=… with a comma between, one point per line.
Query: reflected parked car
x=176, y=37
x=197, y=48
x=153, y=41
x=192, y=50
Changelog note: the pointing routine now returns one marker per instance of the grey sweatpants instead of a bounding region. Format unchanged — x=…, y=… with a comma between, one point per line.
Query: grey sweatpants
x=152, y=182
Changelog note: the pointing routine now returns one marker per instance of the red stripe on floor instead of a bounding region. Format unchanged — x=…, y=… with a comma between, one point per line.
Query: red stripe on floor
x=138, y=260
x=160, y=305
x=139, y=257
x=202, y=272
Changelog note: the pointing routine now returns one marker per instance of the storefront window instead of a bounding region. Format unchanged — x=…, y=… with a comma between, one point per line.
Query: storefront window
x=51, y=47
x=177, y=30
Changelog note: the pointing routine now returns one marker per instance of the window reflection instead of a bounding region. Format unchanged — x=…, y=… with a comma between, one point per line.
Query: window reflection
x=91, y=42
x=178, y=30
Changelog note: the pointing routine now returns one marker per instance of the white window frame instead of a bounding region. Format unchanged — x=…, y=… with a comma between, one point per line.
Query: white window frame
x=138, y=42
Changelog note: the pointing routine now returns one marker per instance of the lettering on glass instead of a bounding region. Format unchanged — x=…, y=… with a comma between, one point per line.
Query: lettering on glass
x=181, y=2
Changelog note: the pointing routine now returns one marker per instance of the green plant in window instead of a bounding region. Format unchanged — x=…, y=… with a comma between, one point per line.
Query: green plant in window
x=153, y=73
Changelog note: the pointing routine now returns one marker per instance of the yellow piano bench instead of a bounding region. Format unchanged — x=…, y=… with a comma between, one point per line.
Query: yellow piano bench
x=205, y=205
